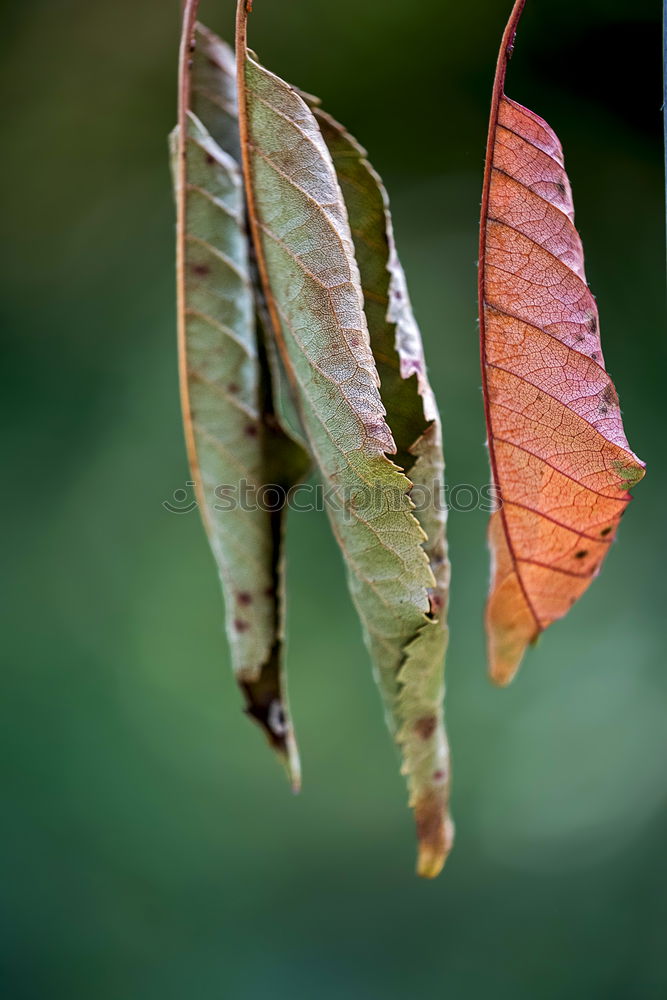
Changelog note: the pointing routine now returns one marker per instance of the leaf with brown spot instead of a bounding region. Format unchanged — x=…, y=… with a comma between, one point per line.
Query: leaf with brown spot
x=348, y=341
x=415, y=708
x=232, y=431
x=559, y=456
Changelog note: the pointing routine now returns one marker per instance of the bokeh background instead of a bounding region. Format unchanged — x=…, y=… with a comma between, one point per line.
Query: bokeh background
x=151, y=848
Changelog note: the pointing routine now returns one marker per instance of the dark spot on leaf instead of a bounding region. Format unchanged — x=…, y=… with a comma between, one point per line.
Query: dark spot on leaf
x=264, y=705
x=232, y=387
x=592, y=324
x=250, y=430
x=581, y=554
x=425, y=727
x=439, y=775
x=609, y=396
x=595, y=356
x=209, y=158
x=244, y=598
x=240, y=625
x=269, y=592
x=435, y=603
x=561, y=188
x=602, y=409
x=605, y=531
x=277, y=718
x=201, y=269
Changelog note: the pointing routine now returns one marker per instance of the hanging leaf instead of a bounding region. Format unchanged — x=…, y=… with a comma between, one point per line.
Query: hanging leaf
x=310, y=275
x=414, y=692
x=242, y=462
x=559, y=457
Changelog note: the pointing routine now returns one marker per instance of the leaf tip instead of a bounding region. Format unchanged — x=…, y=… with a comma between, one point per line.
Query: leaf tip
x=288, y=755
x=502, y=674
x=266, y=706
x=435, y=834
x=291, y=763
x=505, y=653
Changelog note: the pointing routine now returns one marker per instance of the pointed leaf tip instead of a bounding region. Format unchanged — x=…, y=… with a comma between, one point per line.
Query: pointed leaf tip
x=435, y=836
x=505, y=653
x=341, y=316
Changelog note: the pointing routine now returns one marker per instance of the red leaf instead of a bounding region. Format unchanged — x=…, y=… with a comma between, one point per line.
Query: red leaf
x=560, y=460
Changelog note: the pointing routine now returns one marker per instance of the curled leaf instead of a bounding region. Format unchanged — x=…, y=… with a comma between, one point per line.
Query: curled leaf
x=236, y=446
x=412, y=678
x=311, y=277
x=559, y=456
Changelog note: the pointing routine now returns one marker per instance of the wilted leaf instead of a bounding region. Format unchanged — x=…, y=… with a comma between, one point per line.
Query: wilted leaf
x=235, y=444
x=412, y=678
x=306, y=258
x=559, y=456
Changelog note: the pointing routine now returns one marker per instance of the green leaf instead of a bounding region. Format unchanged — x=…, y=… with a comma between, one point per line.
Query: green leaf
x=213, y=89
x=236, y=445
x=417, y=707
x=306, y=258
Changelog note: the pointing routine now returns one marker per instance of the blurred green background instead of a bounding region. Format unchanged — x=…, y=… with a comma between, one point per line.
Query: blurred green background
x=151, y=848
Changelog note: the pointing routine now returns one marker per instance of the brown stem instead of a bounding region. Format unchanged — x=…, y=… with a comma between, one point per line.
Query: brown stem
x=243, y=8
x=506, y=49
